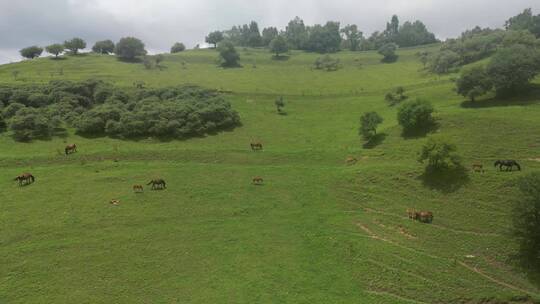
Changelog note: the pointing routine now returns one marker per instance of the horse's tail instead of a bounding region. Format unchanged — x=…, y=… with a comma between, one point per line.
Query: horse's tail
x=164, y=184
x=66, y=150
x=518, y=166
x=32, y=178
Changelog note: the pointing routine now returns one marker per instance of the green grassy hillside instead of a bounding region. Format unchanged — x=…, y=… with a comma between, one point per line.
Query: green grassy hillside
x=317, y=231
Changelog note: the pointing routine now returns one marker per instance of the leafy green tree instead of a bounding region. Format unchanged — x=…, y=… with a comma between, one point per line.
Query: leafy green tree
x=324, y=39
x=327, y=63
x=214, y=38
x=269, y=34
x=368, y=124
x=415, y=115
x=178, y=47
x=353, y=36
x=388, y=51
x=253, y=38
x=55, y=49
x=296, y=33
x=444, y=62
x=392, y=28
x=74, y=45
x=473, y=82
x=520, y=37
x=11, y=109
x=129, y=48
x=31, y=52
x=439, y=154
x=103, y=47
x=526, y=222
x=413, y=34
x=228, y=56
x=279, y=45
x=512, y=68
x=29, y=123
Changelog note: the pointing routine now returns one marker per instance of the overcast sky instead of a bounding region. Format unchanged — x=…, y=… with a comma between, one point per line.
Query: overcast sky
x=160, y=23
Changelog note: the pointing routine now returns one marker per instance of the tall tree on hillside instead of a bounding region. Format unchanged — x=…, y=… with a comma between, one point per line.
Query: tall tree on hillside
x=268, y=34
x=103, y=47
x=392, y=28
x=178, y=47
x=473, y=82
x=412, y=34
x=324, y=39
x=353, y=36
x=525, y=21
x=296, y=33
x=31, y=52
x=254, y=36
x=214, y=38
x=74, y=45
x=55, y=49
x=228, y=56
x=129, y=47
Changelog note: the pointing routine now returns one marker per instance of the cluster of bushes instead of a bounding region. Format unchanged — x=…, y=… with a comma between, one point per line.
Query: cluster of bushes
x=510, y=70
x=330, y=37
x=97, y=108
x=396, y=96
x=479, y=43
x=327, y=63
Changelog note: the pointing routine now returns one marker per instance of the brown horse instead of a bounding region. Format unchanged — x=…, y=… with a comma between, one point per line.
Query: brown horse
x=158, y=184
x=138, y=188
x=477, y=167
x=25, y=179
x=421, y=216
x=351, y=160
x=257, y=180
x=72, y=148
x=256, y=146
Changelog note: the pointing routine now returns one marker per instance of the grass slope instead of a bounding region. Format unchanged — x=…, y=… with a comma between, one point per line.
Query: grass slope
x=317, y=231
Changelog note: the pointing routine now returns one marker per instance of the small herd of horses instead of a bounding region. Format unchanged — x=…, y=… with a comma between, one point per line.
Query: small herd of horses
x=160, y=184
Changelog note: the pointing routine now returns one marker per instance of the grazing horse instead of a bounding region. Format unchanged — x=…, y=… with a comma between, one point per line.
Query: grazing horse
x=158, y=184
x=509, y=164
x=478, y=167
x=138, y=188
x=256, y=146
x=257, y=180
x=424, y=216
x=411, y=213
x=72, y=148
x=25, y=179
x=351, y=160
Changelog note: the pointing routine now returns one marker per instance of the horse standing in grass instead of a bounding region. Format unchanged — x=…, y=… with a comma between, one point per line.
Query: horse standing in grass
x=424, y=216
x=138, y=188
x=255, y=146
x=72, y=148
x=257, y=180
x=25, y=179
x=158, y=184
x=509, y=164
x=478, y=167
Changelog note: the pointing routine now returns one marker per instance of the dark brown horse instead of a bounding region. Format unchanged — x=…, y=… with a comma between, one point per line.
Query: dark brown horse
x=509, y=164
x=72, y=148
x=421, y=216
x=138, y=188
x=256, y=146
x=158, y=184
x=257, y=180
x=25, y=179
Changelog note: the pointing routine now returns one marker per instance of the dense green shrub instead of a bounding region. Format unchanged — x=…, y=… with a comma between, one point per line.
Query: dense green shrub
x=415, y=115
x=439, y=154
x=97, y=108
x=473, y=82
x=368, y=124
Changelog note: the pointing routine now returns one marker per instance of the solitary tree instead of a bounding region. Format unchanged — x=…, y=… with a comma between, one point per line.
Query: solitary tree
x=473, y=82
x=55, y=49
x=439, y=154
x=279, y=45
x=74, y=45
x=31, y=52
x=129, y=47
x=280, y=104
x=228, y=56
x=415, y=115
x=389, y=52
x=103, y=47
x=178, y=47
x=368, y=124
x=214, y=38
